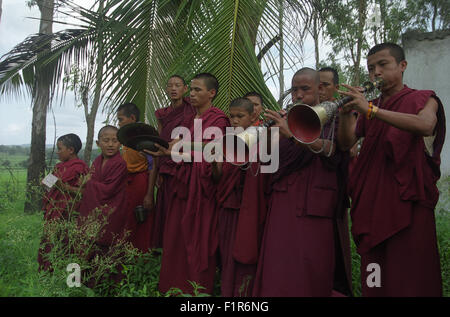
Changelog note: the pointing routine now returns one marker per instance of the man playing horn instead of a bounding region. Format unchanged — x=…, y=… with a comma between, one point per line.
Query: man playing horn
x=393, y=184
x=297, y=256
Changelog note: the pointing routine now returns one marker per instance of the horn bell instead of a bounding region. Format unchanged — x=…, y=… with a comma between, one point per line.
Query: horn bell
x=306, y=122
x=239, y=149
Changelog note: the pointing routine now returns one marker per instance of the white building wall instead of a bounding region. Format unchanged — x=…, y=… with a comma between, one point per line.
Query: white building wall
x=428, y=57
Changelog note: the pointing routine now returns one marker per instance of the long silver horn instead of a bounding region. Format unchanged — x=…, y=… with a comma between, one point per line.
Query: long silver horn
x=306, y=122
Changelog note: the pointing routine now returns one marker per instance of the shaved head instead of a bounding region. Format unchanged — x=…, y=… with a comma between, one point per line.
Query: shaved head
x=106, y=128
x=305, y=86
x=306, y=71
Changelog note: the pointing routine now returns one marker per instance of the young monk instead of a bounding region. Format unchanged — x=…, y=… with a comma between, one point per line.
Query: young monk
x=190, y=231
x=62, y=198
x=241, y=208
x=178, y=113
x=393, y=183
x=140, y=184
x=106, y=188
x=257, y=101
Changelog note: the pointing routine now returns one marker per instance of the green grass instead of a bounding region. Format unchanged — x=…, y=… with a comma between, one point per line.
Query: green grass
x=20, y=235
x=14, y=159
x=19, y=241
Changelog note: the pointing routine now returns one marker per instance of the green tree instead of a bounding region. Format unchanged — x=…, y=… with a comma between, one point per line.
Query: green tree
x=145, y=41
x=86, y=82
x=431, y=15
x=345, y=28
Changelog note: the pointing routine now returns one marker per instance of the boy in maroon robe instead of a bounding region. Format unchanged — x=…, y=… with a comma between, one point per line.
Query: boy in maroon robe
x=241, y=207
x=106, y=188
x=297, y=256
x=190, y=230
x=140, y=184
x=393, y=183
x=62, y=198
x=257, y=101
x=179, y=113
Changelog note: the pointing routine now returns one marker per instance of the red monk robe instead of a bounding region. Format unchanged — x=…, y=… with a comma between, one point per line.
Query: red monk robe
x=242, y=209
x=57, y=203
x=137, y=187
x=393, y=191
x=298, y=251
x=106, y=189
x=169, y=118
x=190, y=231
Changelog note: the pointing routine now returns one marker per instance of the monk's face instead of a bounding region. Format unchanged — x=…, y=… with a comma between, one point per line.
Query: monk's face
x=200, y=94
x=257, y=104
x=305, y=89
x=64, y=153
x=123, y=119
x=240, y=117
x=383, y=65
x=327, y=88
x=175, y=88
x=108, y=143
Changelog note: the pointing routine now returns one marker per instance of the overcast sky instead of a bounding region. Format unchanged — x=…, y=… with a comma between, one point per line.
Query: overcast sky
x=15, y=115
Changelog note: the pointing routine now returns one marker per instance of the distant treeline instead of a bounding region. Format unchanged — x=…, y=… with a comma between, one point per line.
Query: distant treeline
x=15, y=149
x=24, y=150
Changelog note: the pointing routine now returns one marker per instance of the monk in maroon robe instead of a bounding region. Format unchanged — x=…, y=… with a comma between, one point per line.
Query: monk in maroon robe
x=62, y=198
x=140, y=189
x=179, y=113
x=393, y=183
x=297, y=256
x=328, y=91
x=190, y=229
x=242, y=208
x=106, y=188
x=57, y=200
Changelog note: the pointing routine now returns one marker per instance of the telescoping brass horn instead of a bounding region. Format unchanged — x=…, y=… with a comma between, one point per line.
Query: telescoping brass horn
x=241, y=148
x=306, y=122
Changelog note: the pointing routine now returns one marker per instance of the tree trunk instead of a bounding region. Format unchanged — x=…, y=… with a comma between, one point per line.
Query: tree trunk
x=90, y=123
x=280, y=32
x=435, y=13
x=316, y=38
x=90, y=116
x=0, y=10
x=41, y=98
x=362, y=6
x=267, y=47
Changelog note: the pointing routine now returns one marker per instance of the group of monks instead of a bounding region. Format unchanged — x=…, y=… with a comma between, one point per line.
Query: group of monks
x=285, y=233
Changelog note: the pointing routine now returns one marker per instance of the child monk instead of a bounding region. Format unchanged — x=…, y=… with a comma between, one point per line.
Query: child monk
x=257, y=101
x=61, y=198
x=241, y=208
x=140, y=184
x=106, y=188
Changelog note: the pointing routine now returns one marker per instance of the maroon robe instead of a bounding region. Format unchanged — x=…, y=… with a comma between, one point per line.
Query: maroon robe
x=393, y=190
x=169, y=118
x=107, y=190
x=57, y=203
x=190, y=231
x=298, y=250
x=242, y=208
x=140, y=234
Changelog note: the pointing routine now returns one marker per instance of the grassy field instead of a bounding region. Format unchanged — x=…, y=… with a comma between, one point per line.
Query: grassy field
x=20, y=236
